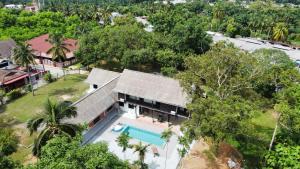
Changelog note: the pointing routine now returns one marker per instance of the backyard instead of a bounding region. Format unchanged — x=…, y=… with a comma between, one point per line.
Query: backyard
x=17, y=112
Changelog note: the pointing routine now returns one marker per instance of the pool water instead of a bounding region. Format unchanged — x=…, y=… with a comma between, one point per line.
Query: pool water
x=144, y=135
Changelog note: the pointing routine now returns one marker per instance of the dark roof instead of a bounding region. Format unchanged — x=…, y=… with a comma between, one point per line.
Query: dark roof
x=41, y=46
x=9, y=75
x=6, y=48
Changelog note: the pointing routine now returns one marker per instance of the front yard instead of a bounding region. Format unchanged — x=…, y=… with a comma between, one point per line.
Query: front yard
x=22, y=109
x=19, y=111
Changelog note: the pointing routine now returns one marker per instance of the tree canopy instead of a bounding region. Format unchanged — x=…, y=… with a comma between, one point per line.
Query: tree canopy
x=63, y=152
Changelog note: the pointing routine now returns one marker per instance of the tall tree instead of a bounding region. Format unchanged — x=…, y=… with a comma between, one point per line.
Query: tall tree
x=166, y=135
x=123, y=141
x=23, y=55
x=59, y=47
x=51, y=118
x=224, y=69
x=278, y=71
x=141, y=150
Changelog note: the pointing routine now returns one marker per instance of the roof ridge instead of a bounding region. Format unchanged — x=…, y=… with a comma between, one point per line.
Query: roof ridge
x=151, y=74
x=89, y=94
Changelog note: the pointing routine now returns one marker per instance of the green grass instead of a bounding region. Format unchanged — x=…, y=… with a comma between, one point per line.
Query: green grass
x=22, y=109
x=264, y=124
x=296, y=43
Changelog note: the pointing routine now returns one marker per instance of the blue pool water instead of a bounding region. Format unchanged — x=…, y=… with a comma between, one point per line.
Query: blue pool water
x=144, y=135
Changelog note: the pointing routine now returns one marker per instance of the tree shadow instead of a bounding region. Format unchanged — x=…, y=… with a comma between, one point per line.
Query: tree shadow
x=62, y=91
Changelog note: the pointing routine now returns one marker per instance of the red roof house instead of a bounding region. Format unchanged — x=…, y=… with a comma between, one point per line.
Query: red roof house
x=41, y=46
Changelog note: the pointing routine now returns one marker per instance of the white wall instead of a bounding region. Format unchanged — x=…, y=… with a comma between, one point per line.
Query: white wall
x=130, y=113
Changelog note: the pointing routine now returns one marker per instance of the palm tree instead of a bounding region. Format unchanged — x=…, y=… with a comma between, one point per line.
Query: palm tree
x=142, y=150
x=59, y=47
x=51, y=121
x=123, y=141
x=23, y=56
x=280, y=32
x=166, y=135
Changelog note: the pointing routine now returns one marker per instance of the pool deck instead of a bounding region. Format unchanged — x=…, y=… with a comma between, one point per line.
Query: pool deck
x=103, y=132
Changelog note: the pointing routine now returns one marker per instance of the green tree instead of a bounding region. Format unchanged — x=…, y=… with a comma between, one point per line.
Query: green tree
x=123, y=141
x=8, y=141
x=278, y=71
x=23, y=55
x=8, y=145
x=280, y=32
x=141, y=150
x=283, y=156
x=59, y=47
x=190, y=36
x=51, y=118
x=65, y=152
x=225, y=69
x=166, y=135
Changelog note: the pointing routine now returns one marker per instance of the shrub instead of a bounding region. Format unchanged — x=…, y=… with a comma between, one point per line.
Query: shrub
x=14, y=94
x=48, y=77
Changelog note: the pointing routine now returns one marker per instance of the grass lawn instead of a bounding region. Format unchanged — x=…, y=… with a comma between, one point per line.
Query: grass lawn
x=264, y=124
x=22, y=109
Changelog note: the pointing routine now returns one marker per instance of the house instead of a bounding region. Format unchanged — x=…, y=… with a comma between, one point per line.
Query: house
x=12, y=79
x=15, y=78
x=41, y=46
x=13, y=6
x=6, y=52
x=133, y=93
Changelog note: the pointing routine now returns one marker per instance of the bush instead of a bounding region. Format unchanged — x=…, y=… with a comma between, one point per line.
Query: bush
x=28, y=88
x=8, y=141
x=48, y=77
x=14, y=94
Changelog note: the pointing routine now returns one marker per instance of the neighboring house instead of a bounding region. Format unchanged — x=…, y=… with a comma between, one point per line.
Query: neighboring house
x=250, y=44
x=41, y=46
x=133, y=93
x=6, y=52
x=12, y=79
x=16, y=78
x=6, y=49
x=13, y=6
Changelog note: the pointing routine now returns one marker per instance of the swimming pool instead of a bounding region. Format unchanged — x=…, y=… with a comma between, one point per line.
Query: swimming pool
x=144, y=135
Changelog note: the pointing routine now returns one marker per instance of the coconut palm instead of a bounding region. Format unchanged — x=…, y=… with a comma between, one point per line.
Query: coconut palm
x=23, y=56
x=141, y=150
x=51, y=123
x=123, y=141
x=166, y=135
x=280, y=32
x=59, y=47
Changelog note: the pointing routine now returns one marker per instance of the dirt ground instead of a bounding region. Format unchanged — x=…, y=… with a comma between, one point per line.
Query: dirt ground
x=197, y=158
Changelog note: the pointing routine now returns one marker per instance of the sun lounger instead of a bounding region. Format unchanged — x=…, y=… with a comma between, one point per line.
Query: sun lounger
x=155, y=151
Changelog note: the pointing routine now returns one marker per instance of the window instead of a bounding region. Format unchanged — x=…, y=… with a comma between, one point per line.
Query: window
x=133, y=98
x=121, y=104
x=95, y=86
x=131, y=106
